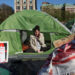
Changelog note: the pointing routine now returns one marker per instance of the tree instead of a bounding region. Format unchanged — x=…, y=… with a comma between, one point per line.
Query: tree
x=5, y=12
x=52, y=11
x=60, y=14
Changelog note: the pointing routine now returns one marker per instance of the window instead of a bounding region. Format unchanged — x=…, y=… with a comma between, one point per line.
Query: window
x=31, y=7
x=18, y=7
x=18, y=1
x=30, y=1
x=24, y=7
x=24, y=1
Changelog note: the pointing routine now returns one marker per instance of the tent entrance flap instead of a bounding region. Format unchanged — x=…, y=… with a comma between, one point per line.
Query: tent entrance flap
x=25, y=40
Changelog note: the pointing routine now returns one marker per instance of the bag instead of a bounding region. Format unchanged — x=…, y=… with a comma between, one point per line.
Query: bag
x=25, y=47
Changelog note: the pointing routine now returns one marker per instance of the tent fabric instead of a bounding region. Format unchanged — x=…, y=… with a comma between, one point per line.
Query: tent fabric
x=70, y=23
x=73, y=28
x=27, y=20
x=57, y=36
x=13, y=39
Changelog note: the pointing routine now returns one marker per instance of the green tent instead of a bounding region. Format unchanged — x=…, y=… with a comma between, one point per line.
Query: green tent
x=27, y=20
x=70, y=23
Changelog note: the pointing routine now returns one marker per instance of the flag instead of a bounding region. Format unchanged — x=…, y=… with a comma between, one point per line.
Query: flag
x=61, y=61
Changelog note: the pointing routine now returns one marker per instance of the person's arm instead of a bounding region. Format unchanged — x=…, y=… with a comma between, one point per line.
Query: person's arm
x=32, y=45
x=42, y=40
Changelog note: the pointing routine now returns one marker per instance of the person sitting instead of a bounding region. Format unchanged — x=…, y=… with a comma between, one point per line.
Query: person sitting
x=37, y=41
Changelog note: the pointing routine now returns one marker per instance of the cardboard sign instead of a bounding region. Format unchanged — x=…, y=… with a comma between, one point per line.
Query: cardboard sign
x=60, y=42
x=3, y=51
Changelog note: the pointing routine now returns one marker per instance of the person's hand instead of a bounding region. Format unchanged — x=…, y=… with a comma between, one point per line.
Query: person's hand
x=37, y=38
x=40, y=51
x=67, y=47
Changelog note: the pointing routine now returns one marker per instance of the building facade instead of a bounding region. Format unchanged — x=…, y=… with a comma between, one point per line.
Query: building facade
x=70, y=8
x=20, y=5
x=45, y=5
x=67, y=7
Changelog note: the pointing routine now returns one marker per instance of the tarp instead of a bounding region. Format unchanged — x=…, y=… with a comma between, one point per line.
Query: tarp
x=27, y=20
x=61, y=61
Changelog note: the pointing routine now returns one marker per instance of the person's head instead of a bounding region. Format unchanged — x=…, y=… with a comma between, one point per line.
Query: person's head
x=36, y=31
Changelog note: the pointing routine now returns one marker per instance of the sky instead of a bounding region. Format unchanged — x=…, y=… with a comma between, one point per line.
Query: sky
x=39, y=2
